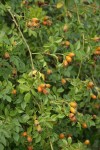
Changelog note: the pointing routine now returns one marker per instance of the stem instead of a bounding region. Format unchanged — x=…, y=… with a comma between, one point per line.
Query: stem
x=79, y=68
x=13, y=17
x=47, y=54
x=36, y=53
x=59, y=102
x=77, y=13
x=81, y=60
x=51, y=144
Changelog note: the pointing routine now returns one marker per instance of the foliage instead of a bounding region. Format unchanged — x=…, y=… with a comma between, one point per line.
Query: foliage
x=49, y=75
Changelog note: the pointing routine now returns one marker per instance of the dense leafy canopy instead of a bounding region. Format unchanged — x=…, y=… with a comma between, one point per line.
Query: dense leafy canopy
x=49, y=75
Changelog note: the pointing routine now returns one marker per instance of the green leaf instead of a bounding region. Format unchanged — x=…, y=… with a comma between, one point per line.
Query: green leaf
x=77, y=45
x=60, y=90
x=35, y=134
x=91, y=123
x=21, y=81
x=17, y=129
x=1, y=147
x=54, y=89
x=38, y=139
x=3, y=140
x=25, y=118
x=54, y=137
x=23, y=105
x=49, y=125
x=54, y=117
x=16, y=137
x=69, y=140
x=29, y=130
x=27, y=97
x=24, y=88
x=61, y=116
x=58, y=41
x=6, y=111
x=8, y=98
x=34, y=34
x=7, y=134
x=64, y=142
x=18, y=63
x=34, y=93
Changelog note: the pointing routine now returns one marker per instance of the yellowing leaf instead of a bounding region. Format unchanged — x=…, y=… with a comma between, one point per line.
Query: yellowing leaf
x=32, y=73
x=42, y=75
x=59, y=5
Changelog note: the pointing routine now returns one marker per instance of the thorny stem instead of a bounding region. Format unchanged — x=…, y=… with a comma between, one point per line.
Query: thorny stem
x=13, y=17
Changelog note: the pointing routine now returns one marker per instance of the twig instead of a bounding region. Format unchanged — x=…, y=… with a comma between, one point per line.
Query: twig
x=81, y=60
x=77, y=12
x=51, y=144
x=13, y=17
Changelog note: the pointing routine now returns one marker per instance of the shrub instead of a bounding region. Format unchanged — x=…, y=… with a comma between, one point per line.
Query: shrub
x=49, y=75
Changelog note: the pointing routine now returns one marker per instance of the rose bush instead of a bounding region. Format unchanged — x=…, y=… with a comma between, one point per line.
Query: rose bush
x=49, y=75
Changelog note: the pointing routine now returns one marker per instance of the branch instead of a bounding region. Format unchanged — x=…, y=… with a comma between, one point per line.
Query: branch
x=22, y=37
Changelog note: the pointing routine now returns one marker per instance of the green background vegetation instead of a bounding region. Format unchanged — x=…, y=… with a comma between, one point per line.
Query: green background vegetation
x=34, y=55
